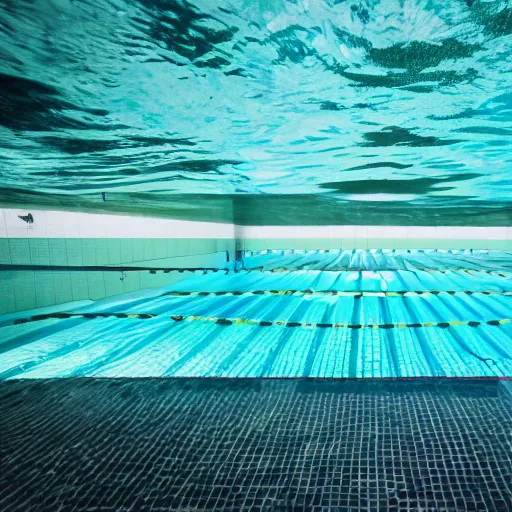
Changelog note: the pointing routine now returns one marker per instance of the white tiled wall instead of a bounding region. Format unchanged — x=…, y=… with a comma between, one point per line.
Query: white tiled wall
x=58, y=238
x=412, y=232
x=62, y=224
x=61, y=238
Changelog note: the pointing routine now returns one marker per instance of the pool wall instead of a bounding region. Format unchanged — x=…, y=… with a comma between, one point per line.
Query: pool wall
x=374, y=237
x=65, y=256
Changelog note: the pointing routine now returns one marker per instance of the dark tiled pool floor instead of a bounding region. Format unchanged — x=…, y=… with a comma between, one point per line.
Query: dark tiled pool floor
x=289, y=445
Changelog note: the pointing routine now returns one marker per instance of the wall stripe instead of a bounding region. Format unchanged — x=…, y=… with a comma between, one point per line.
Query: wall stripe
x=377, y=232
x=65, y=224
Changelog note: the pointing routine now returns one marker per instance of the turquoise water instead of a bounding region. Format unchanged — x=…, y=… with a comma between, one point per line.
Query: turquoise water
x=372, y=319
x=258, y=112
x=396, y=107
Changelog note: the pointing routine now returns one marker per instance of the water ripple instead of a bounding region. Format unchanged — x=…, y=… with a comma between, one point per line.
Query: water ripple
x=284, y=97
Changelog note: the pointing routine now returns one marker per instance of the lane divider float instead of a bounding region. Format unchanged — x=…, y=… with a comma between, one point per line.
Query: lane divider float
x=459, y=270
x=331, y=293
x=265, y=323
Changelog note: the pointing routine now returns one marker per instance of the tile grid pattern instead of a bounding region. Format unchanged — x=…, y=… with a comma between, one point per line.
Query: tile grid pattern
x=155, y=445
x=28, y=289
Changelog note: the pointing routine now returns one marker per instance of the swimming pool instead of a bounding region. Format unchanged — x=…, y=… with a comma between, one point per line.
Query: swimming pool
x=255, y=255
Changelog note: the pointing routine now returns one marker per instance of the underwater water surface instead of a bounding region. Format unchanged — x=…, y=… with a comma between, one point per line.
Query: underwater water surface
x=387, y=108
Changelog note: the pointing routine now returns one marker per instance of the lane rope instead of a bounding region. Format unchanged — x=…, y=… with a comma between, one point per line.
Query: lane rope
x=333, y=293
x=459, y=270
x=312, y=325
x=265, y=323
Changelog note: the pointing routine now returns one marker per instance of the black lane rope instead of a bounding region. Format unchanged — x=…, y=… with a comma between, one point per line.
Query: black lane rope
x=299, y=270
x=265, y=323
x=329, y=293
x=110, y=268
x=385, y=252
x=205, y=270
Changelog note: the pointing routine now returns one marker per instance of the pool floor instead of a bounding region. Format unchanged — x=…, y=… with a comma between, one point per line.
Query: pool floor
x=250, y=445
x=292, y=314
